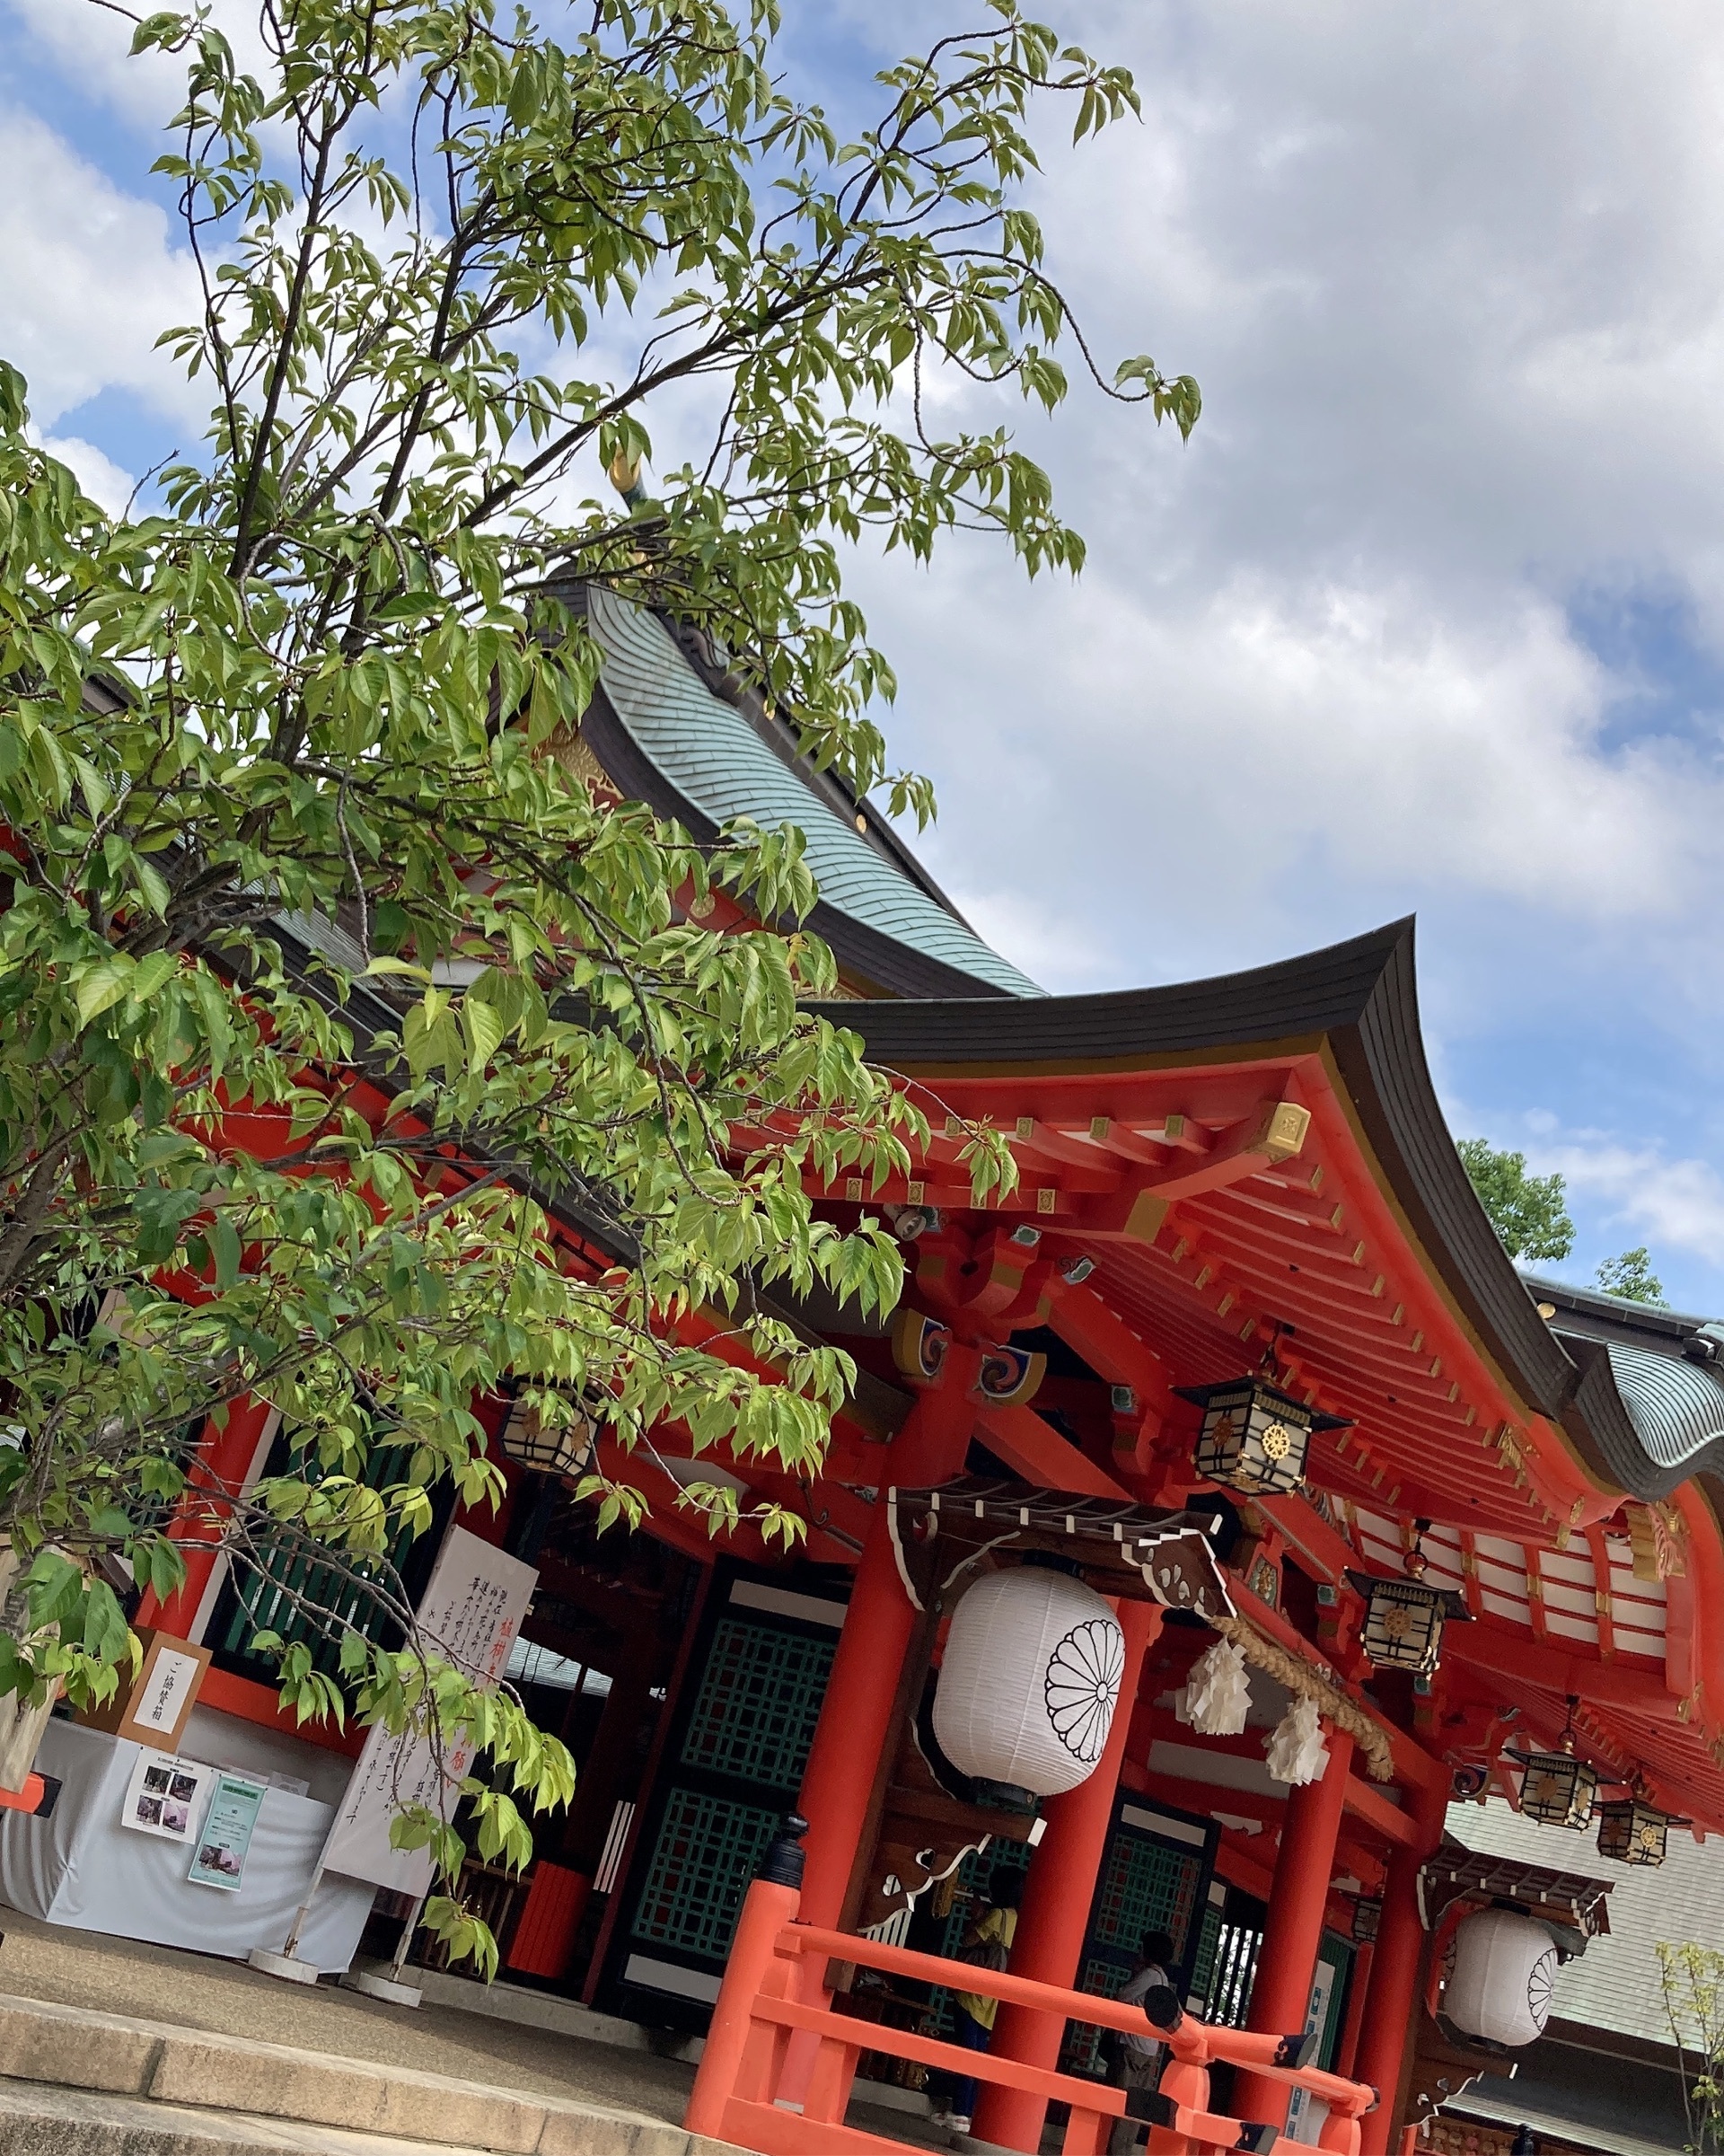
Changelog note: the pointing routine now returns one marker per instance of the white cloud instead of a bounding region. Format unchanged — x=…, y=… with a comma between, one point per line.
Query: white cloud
x=100, y=477
x=1670, y=1204
x=1460, y=353
x=89, y=280
x=90, y=46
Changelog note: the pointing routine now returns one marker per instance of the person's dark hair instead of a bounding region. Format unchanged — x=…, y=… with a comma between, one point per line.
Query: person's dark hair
x=1005, y=1887
x=1158, y=1947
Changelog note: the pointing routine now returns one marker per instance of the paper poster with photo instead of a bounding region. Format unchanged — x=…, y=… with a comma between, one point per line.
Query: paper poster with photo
x=166, y=1796
x=227, y=1834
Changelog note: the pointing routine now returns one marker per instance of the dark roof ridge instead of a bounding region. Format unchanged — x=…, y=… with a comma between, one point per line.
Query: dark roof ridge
x=1314, y=993
x=1647, y=1325
x=1360, y=996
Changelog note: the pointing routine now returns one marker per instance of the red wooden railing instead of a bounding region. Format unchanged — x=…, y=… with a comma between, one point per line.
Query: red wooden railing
x=775, y=1985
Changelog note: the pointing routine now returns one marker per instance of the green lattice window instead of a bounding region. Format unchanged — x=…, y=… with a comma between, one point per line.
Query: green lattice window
x=760, y=1700
x=288, y=1583
x=1145, y=1887
x=1081, y=2052
x=707, y=1853
x=1208, y=1937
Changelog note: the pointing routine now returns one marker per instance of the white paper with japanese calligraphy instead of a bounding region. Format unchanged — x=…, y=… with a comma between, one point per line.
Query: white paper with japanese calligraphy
x=470, y=1615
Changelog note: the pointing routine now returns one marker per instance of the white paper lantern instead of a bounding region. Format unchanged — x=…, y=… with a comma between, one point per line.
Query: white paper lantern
x=1030, y=1681
x=1218, y=1693
x=1505, y=1973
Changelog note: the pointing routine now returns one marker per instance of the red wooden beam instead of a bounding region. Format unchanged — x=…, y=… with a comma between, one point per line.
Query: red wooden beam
x=1273, y=1131
x=1109, y=1345
x=1480, y=1647
x=1036, y=1451
x=1375, y=1811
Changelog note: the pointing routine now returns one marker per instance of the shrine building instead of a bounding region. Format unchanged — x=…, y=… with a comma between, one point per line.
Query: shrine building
x=1373, y=1527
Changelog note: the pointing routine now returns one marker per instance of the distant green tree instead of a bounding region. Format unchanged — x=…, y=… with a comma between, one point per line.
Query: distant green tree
x=1692, y=1981
x=1631, y=1277
x=1529, y=1212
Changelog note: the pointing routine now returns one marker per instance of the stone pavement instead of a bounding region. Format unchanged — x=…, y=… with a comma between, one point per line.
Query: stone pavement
x=116, y=2048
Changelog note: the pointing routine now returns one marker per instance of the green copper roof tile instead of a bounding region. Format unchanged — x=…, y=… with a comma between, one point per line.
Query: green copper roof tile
x=1677, y=1408
x=714, y=758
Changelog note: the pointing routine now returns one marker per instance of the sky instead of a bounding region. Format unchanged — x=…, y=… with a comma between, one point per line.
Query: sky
x=1427, y=618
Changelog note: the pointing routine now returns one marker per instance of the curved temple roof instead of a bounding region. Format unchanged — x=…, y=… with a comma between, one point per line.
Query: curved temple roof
x=1359, y=1250
x=712, y=766
x=1515, y=1427
x=1641, y=1418
x=1673, y=1407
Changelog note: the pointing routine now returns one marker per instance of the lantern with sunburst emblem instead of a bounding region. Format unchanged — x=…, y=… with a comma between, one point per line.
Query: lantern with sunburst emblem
x=1404, y=1621
x=1405, y=1618
x=1254, y=1437
x=1556, y=1788
x=550, y=1440
x=1634, y=1831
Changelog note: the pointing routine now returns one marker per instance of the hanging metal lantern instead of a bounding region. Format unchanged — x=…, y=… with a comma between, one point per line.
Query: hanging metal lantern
x=562, y=1448
x=1254, y=1436
x=1633, y=1832
x=1404, y=1621
x=1556, y=1788
x=1368, y=1913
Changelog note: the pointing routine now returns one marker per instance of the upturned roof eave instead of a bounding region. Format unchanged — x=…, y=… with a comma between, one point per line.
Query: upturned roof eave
x=1356, y=1000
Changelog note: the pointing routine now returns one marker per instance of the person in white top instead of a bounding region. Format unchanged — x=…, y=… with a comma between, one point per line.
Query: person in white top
x=1136, y=2061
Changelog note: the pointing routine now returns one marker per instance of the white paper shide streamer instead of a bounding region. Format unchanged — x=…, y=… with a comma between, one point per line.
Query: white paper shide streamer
x=1030, y=1681
x=1218, y=1693
x=1297, y=1752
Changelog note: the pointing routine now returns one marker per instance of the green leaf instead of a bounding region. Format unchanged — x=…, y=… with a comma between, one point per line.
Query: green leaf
x=224, y=1250
x=101, y=985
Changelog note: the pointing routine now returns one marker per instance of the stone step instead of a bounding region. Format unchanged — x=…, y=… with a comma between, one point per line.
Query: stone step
x=196, y=2073
x=36, y=2120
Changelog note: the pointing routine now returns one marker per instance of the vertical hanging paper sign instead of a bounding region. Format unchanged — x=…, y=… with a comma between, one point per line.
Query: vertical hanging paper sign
x=471, y=1615
x=228, y=1826
x=170, y=1679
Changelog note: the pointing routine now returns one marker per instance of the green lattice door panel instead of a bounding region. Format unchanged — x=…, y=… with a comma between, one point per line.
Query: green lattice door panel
x=1154, y=1877
x=738, y=1745
x=703, y=1861
x=754, y=1719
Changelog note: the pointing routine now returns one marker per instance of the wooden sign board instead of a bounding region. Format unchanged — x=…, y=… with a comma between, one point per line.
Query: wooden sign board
x=153, y=1708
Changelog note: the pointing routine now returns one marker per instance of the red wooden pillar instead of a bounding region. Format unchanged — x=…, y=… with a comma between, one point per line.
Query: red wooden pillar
x=1058, y=1892
x=224, y=1454
x=1390, y=2001
x=1287, y=1963
x=837, y=1782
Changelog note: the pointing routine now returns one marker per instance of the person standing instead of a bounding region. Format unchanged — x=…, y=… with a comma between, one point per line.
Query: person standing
x=1135, y=2061
x=987, y=1944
